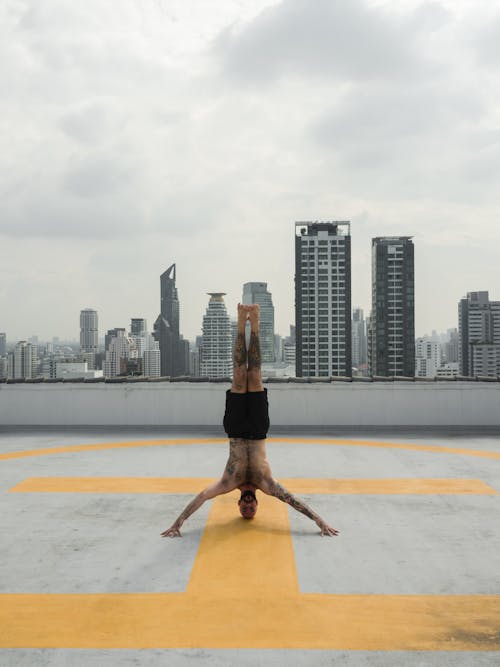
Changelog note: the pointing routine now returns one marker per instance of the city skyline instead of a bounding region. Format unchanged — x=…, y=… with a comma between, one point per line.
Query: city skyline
x=201, y=132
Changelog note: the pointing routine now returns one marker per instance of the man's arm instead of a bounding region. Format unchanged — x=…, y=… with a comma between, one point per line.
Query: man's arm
x=274, y=488
x=216, y=489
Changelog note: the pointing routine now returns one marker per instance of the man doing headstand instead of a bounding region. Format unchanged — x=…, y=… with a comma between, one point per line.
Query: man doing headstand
x=246, y=422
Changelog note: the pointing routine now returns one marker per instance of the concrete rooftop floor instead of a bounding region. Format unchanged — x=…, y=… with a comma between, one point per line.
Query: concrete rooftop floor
x=85, y=579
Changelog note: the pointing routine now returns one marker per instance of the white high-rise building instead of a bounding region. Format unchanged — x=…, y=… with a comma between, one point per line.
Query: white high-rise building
x=152, y=365
x=257, y=293
x=427, y=356
x=22, y=361
x=479, y=335
x=89, y=325
x=120, y=348
x=323, y=299
x=216, y=351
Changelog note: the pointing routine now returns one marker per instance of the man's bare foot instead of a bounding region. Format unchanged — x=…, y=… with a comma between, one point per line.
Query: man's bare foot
x=242, y=317
x=254, y=316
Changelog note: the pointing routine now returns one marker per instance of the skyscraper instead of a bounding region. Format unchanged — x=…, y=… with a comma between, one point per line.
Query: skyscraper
x=427, y=356
x=89, y=326
x=216, y=351
x=120, y=348
x=479, y=335
x=323, y=298
x=392, y=320
x=173, y=352
x=138, y=333
x=359, y=350
x=22, y=361
x=257, y=293
x=3, y=344
x=138, y=327
x=152, y=361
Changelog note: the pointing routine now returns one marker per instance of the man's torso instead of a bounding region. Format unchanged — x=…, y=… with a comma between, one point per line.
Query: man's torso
x=247, y=462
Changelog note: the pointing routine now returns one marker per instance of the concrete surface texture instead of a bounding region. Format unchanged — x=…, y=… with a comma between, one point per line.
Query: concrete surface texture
x=85, y=579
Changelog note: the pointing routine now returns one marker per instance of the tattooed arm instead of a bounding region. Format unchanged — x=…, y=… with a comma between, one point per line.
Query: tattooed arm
x=218, y=488
x=274, y=488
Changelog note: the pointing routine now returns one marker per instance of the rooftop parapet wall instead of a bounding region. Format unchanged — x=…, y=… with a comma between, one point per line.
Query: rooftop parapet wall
x=300, y=403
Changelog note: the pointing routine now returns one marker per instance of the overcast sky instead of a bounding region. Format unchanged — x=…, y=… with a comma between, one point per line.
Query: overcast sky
x=138, y=133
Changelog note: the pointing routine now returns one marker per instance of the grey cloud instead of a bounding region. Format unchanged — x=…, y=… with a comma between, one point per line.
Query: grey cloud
x=54, y=216
x=487, y=43
x=97, y=176
x=381, y=117
x=349, y=40
x=92, y=122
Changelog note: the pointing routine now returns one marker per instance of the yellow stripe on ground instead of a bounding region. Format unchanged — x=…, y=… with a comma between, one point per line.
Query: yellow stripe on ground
x=241, y=558
x=46, y=451
x=391, y=445
x=179, y=620
x=189, y=485
x=194, y=485
x=389, y=486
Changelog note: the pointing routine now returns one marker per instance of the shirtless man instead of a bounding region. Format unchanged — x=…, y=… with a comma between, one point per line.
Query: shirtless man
x=246, y=422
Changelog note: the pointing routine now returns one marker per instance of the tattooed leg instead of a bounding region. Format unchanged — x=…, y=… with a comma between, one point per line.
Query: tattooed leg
x=254, y=355
x=239, y=385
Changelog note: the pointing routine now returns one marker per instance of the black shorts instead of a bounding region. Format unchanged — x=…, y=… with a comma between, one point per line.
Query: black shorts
x=247, y=415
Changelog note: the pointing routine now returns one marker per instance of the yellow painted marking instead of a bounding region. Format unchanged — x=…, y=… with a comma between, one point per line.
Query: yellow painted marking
x=389, y=486
x=112, y=485
x=243, y=594
x=68, y=449
x=295, y=485
x=245, y=558
x=46, y=451
x=179, y=620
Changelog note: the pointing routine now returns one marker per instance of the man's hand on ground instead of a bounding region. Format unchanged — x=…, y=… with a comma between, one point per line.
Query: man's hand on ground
x=174, y=531
x=326, y=529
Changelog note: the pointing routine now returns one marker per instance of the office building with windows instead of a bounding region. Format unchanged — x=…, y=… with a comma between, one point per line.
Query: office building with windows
x=89, y=330
x=22, y=361
x=392, y=320
x=359, y=348
x=479, y=335
x=174, y=350
x=428, y=357
x=323, y=299
x=216, y=349
x=258, y=293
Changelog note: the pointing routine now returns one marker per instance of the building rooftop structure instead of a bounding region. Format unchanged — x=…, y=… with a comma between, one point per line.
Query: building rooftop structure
x=412, y=579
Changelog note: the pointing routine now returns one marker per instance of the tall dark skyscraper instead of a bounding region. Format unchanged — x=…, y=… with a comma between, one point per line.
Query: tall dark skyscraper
x=479, y=335
x=392, y=321
x=173, y=352
x=323, y=298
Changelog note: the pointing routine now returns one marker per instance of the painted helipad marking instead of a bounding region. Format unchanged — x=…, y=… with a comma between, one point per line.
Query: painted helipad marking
x=47, y=451
x=243, y=593
x=295, y=485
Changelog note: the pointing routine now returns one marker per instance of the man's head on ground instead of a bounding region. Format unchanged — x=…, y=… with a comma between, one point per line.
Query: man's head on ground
x=247, y=504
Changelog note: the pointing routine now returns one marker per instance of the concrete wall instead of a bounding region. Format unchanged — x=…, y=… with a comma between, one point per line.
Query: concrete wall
x=292, y=404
